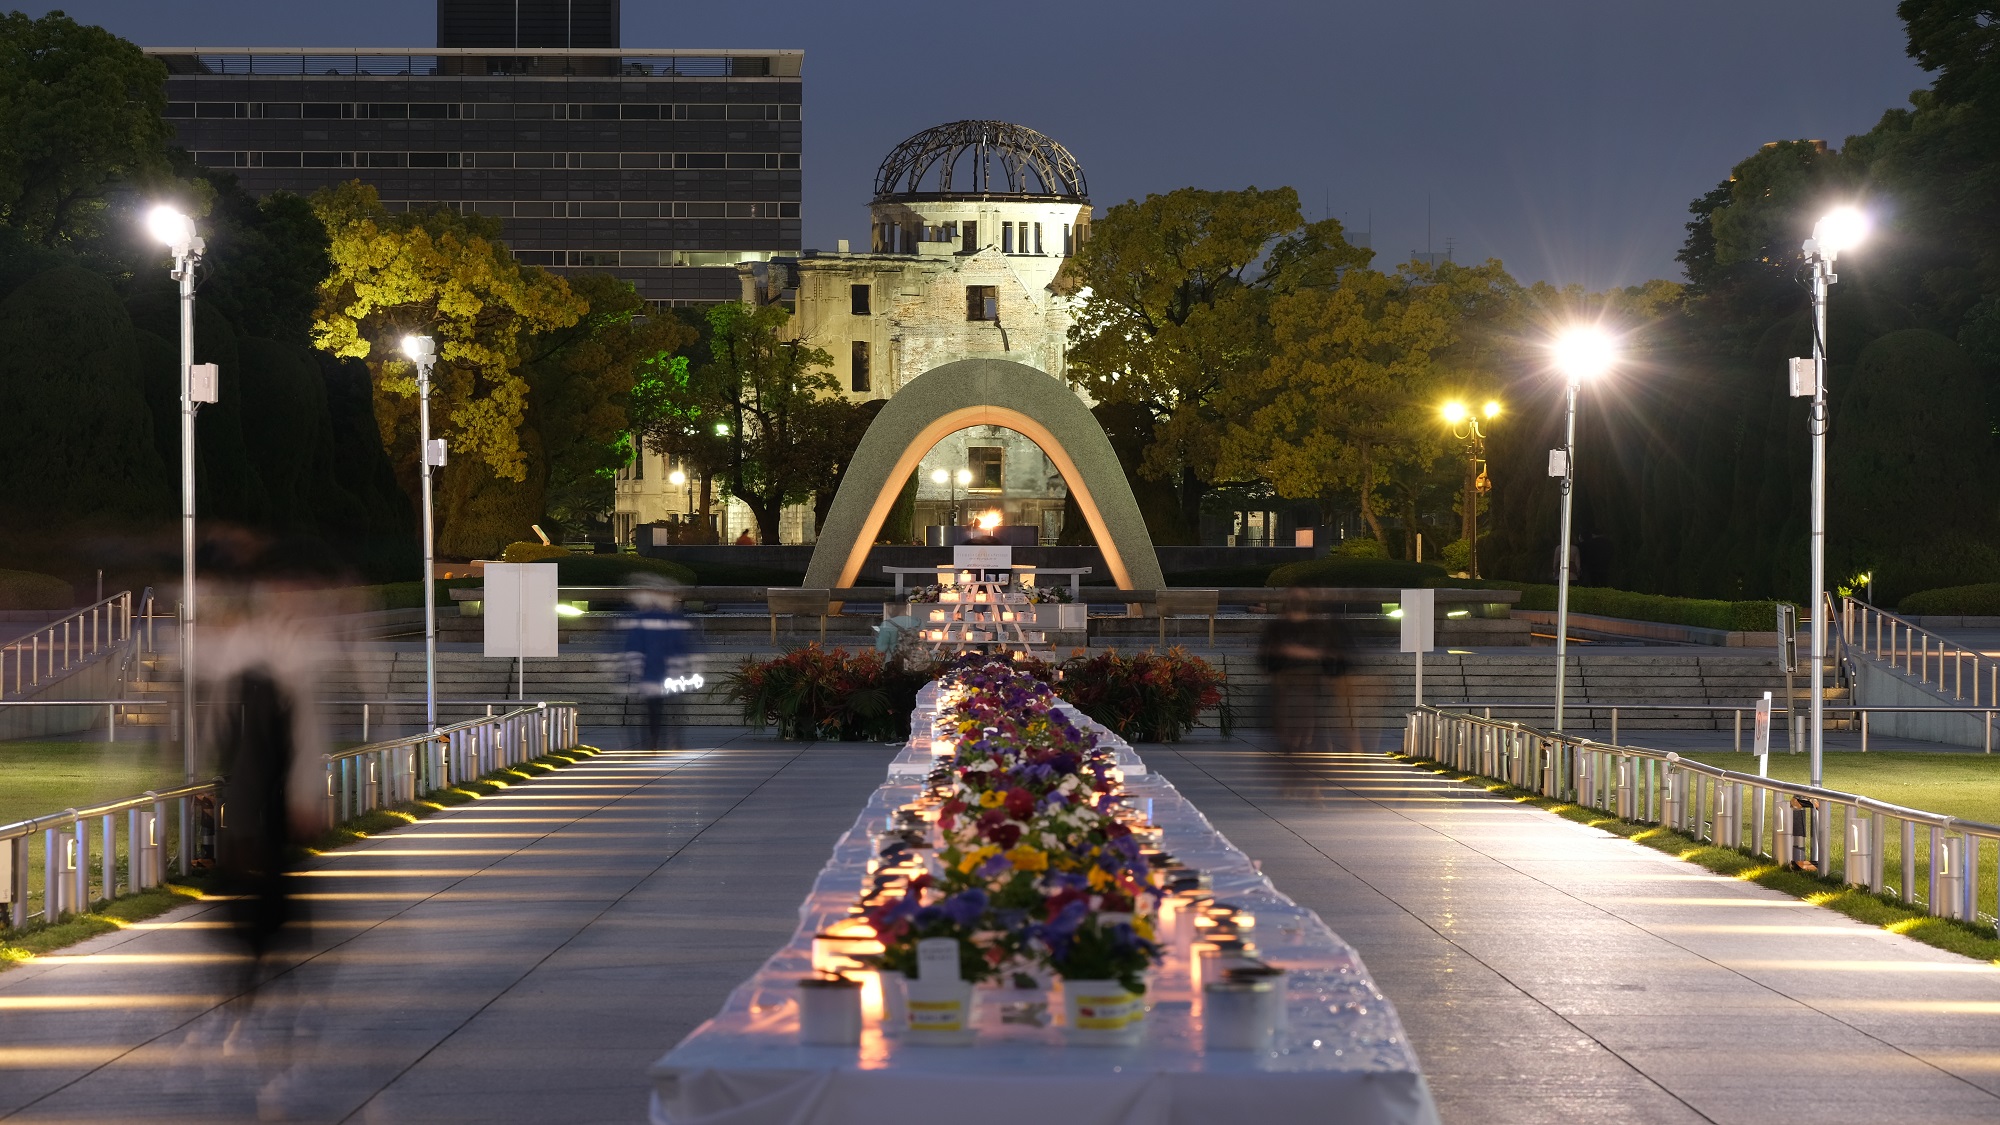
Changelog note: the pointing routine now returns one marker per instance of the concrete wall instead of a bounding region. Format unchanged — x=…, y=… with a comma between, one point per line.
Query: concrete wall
x=1881, y=686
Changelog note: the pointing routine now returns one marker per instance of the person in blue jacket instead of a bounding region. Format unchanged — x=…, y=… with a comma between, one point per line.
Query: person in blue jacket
x=659, y=653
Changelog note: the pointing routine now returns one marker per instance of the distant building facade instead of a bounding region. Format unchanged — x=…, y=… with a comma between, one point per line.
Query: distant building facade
x=668, y=168
x=969, y=227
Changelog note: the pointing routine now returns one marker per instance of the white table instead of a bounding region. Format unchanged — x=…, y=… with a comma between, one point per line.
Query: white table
x=1343, y=1059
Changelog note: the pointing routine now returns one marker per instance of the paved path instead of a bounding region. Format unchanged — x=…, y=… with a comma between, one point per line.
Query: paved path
x=524, y=958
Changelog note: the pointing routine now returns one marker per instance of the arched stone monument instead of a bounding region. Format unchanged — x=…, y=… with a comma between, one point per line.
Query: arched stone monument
x=984, y=392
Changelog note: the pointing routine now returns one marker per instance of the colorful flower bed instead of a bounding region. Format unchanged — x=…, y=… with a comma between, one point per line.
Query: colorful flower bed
x=1146, y=696
x=817, y=692
x=1038, y=866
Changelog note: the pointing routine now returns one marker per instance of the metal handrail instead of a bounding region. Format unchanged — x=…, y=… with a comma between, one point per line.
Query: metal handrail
x=357, y=780
x=1707, y=802
x=65, y=643
x=1913, y=647
x=1857, y=711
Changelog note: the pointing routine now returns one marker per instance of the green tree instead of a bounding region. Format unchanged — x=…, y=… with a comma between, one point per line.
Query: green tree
x=1173, y=297
x=583, y=376
x=1349, y=395
x=82, y=114
x=765, y=392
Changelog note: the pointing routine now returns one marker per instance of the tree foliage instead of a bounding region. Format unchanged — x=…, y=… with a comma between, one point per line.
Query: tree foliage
x=82, y=114
x=449, y=276
x=1173, y=295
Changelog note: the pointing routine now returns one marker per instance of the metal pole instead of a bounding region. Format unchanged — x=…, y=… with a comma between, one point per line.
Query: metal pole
x=1816, y=424
x=430, y=585
x=184, y=267
x=1562, y=559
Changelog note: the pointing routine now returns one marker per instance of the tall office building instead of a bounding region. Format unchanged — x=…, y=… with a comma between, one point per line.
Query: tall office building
x=665, y=167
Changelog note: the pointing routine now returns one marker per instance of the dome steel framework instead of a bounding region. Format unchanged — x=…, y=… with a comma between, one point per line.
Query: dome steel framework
x=1006, y=159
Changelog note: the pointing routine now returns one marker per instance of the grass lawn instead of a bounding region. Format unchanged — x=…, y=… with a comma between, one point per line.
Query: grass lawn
x=1962, y=785
x=38, y=777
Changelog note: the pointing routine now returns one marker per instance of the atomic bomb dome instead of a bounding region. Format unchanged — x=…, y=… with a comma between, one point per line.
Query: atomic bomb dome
x=999, y=159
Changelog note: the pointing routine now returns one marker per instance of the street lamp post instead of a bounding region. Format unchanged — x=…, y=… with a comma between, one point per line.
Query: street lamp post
x=1582, y=353
x=176, y=231
x=422, y=351
x=1840, y=229
x=1465, y=427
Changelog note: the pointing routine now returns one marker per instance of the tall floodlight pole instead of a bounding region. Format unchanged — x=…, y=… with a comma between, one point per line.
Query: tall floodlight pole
x=1840, y=229
x=176, y=232
x=422, y=351
x=1581, y=353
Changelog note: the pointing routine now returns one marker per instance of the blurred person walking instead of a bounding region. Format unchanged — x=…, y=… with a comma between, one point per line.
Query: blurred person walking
x=1293, y=653
x=659, y=652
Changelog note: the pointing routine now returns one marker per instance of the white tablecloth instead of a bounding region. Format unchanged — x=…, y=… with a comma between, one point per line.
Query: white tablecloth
x=1343, y=1059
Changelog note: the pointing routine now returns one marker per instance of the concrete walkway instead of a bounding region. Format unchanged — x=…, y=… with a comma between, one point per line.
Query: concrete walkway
x=525, y=957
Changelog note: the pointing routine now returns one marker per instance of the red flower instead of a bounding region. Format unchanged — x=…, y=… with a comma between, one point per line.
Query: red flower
x=1020, y=804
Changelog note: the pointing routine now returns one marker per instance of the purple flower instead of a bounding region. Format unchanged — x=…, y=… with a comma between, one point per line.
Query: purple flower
x=965, y=907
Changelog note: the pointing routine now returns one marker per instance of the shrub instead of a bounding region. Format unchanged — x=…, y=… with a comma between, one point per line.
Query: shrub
x=1703, y=613
x=1457, y=556
x=528, y=552
x=1145, y=697
x=24, y=589
x=1337, y=571
x=822, y=693
x=1359, y=549
x=614, y=570
x=1978, y=600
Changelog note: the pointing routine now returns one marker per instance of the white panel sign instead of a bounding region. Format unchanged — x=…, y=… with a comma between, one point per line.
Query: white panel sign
x=1419, y=620
x=982, y=558
x=520, y=609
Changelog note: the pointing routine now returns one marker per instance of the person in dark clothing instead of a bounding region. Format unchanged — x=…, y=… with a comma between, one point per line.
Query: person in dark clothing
x=255, y=840
x=1294, y=653
x=659, y=651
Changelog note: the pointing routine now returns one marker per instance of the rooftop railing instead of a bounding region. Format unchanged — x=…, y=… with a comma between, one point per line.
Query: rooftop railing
x=498, y=62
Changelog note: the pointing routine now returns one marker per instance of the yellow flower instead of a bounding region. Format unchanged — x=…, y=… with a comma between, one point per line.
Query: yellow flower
x=990, y=799
x=1099, y=878
x=1143, y=926
x=972, y=861
x=1026, y=858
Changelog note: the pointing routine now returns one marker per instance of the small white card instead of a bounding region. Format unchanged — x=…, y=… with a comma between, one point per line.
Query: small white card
x=937, y=959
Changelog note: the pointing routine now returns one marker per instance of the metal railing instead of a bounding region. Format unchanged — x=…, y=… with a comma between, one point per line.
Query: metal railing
x=1934, y=661
x=370, y=709
x=1854, y=712
x=180, y=823
x=1786, y=821
x=386, y=773
x=65, y=643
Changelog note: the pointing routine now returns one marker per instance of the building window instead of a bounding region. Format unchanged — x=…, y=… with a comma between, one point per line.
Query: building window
x=982, y=302
x=1006, y=238
x=861, y=383
x=857, y=303
x=1038, y=238
x=1069, y=240
x=985, y=464
x=971, y=233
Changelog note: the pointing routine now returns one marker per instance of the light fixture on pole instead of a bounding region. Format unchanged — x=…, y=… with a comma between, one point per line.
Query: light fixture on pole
x=1465, y=427
x=176, y=232
x=422, y=351
x=1839, y=230
x=1581, y=353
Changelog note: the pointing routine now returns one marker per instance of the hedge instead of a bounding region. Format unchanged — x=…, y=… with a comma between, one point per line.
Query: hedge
x=1703, y=613
x=1982, y=599
x=24, y=589
x=1357, y=572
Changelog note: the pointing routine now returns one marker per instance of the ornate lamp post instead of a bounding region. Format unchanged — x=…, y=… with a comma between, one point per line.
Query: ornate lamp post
x=1465, y=427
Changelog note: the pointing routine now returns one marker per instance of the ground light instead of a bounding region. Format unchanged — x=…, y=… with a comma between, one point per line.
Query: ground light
x=422, y=351
x=1583, y=352
x=176, y=231
x=1838, y=231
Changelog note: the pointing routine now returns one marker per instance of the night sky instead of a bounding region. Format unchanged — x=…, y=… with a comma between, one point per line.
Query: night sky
x=1564, y=138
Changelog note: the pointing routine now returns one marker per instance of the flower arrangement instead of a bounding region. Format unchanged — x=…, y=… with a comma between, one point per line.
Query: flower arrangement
x=1035, y=595
x=1036, y=864
x=1148, y=696
x=817, y=692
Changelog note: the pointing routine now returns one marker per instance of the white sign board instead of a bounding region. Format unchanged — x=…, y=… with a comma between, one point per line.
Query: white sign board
x=982, y=558
x=520, y=609
x=1419, y=620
